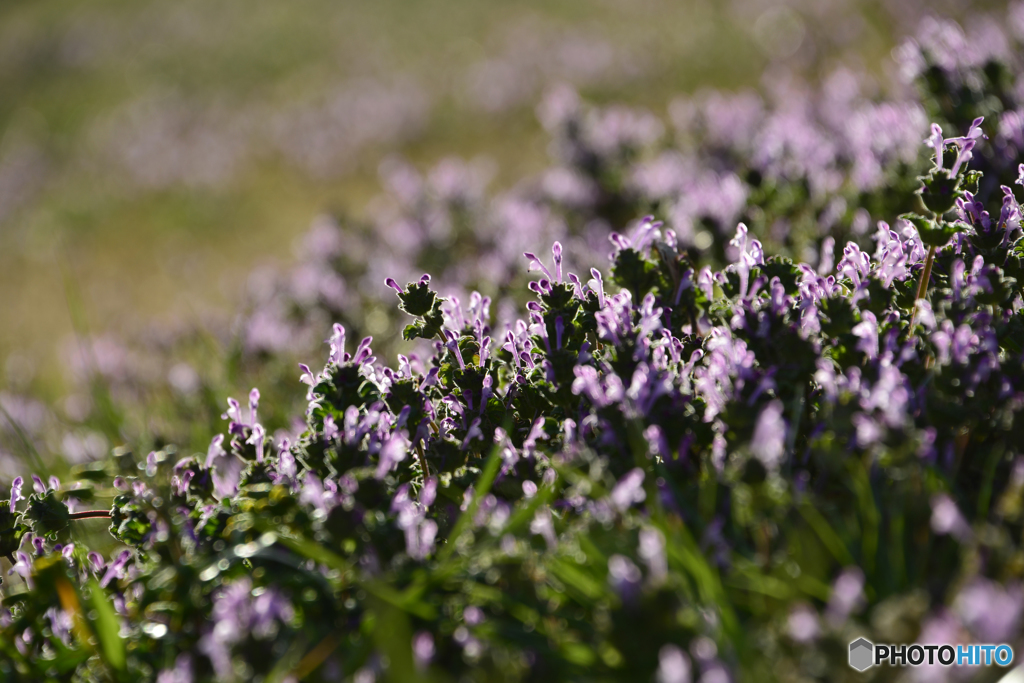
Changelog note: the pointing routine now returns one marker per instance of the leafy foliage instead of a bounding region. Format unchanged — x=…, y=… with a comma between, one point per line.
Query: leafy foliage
x=712, y=471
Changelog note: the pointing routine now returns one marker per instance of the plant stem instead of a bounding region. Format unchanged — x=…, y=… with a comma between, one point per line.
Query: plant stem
x=922, y=287
x=89, y=514
x=423, y=460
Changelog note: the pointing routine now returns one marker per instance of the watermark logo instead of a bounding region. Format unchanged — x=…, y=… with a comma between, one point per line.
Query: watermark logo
x=864, y=654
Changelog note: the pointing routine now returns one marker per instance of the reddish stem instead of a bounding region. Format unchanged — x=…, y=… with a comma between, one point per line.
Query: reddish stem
x=90, y=514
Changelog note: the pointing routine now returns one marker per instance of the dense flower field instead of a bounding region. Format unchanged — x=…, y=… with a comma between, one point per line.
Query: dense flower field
x=785, y=413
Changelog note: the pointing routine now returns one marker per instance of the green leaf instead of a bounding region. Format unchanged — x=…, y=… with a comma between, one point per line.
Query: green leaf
x=47, y=514
x=525, y=514
x=107, y=628
x=933, y=234
x=829, y=538
x=483, y=486
x=417, y=299
x=306, y=548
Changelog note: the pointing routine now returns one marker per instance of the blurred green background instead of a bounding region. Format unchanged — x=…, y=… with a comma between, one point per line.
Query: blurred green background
x=152, y=153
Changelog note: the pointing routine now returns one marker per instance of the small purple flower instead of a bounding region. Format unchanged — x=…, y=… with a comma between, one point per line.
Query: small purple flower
x=629, y=490
x=307, y=377
x=216, y=450
x=254, y=402
x=597, y=284
x=116, y=569
x=181, y=673
x=847, y=595
x=16, y=491
x=473, y=433
x=991, y=612
x=226, y=469
x=337, y=345
x=966, y=144
x=937, y=142
x=473, y=615
x=330, y=428
x=652, y=551
x=97, y=562
x=867, y=332
x=23, y=567
x=946, y=518
x=543, y=526
x=769, y=441
x=423, y=650
x=536, y=433
x=537, y=264
x=258, y=439
x=391, y=453
x=803, y=624
x=673, y=665
x=625, y=577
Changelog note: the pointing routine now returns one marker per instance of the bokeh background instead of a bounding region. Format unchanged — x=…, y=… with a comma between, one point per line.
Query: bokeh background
x=154, y=154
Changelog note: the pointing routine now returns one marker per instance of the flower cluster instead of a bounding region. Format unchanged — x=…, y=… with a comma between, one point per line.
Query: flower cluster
x=769, y=452
x=805, y=168
x=700, y=463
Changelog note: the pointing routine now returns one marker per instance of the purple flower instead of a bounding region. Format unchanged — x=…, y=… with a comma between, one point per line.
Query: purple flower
x=629, y=490
x=966, y=144
x=181, y=673
x=937, y=142
x=748, y=256
x=23, y=567
x=537, y=264
x=423, y=649
x=991, y=612
x=652, y=551
x=235, y=415
x=536, y=433
x=116, y=569
x=392, y=452
x=769, y=440
x=420, y=532
x=236, y=615
x=315, y=494
x=307, y=377
x=597, y=284
x=97, y=562
x=257, y=439
x=16, y=496
x=855, y=264
x=867, y=332
x=226, y=469
x=946, y=518
x=803, y=624
x=624, y=576
x=543, y=526
x=673, y=665
x=847, y=595
x=337, y=345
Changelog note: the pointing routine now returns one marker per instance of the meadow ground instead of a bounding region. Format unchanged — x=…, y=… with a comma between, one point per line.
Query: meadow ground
x=152, y=153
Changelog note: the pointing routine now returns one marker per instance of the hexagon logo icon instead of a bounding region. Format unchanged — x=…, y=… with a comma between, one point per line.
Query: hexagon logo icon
x=862, y=654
